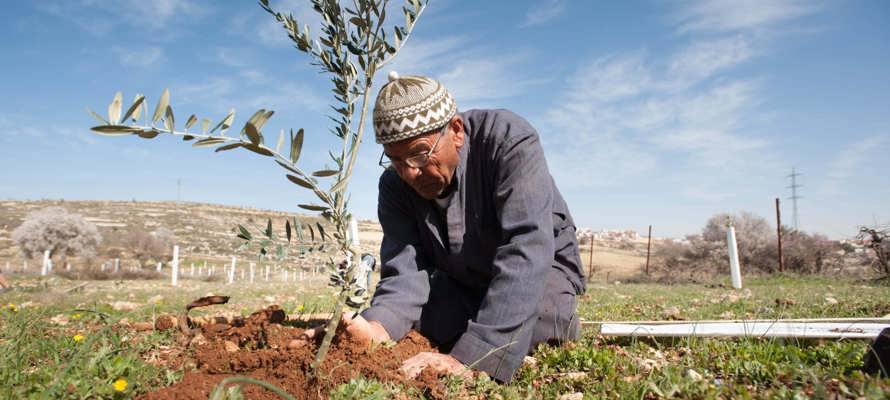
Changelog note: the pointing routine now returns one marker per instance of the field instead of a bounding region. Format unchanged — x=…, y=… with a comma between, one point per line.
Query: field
x=64, y=339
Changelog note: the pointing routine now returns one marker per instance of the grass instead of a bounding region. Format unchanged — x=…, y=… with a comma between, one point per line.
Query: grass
x=40, y=358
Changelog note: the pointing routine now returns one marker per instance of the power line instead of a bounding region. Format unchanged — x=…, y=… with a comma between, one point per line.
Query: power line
x=794, y=197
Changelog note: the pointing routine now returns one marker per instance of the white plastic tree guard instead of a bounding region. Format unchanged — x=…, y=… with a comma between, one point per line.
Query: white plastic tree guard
x=750, y=329
x=174, y=276
x=734, y=269
x=45, y=268
x=232, y=270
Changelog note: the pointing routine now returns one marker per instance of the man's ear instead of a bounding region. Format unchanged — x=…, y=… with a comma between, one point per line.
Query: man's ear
x=457, y=129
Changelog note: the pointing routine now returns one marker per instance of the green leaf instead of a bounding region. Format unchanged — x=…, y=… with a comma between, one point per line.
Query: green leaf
x=208, y=142
x=288, y=167
x=296, y=145
x=115, y=130
x=297, y=180
x=148, y=134
x=227, y=147
x=162, y=106
x=114, y=109
x=259, y=150
x=312, y=207
x=311, y=233
x=225, y=123
x=168, y=119
x=186, y=138
x=134, y=109
x=358, y=22
x=262, y=119
x=98, y=117
x=325, y=172
x=321, y=231
x=252, y=133
x=244, y=232
x=205, y=124
x=280, y=142
x=340, y=185
x=191, y=121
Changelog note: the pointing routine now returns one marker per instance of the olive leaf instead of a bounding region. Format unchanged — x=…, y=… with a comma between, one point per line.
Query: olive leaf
x=191, y=121
x=134, y=109
x=162, y=106
x=168, y=119
x=225, y=123
x=114, y=109
x=227, y=147
x=208, y=142
x=115, y=130
x=299, y=181
x=296, y=145
x=325, y=172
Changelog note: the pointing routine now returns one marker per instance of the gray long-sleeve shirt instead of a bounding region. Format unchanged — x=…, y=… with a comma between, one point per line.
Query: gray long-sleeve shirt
x=507, y=227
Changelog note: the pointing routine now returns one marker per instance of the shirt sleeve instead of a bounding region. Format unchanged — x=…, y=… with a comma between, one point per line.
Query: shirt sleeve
x=499, y=338
x=404, y=286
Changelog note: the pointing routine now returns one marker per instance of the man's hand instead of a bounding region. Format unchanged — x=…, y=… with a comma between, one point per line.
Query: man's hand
x=356, y=328
x=438, y=362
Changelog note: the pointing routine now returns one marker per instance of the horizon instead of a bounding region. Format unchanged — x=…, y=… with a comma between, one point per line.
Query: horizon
x=650, y=113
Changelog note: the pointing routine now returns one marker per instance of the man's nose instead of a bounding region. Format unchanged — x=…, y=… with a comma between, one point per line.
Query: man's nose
x=409, y=173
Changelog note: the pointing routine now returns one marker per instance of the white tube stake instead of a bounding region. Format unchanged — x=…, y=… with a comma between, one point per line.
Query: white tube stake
x=301, y=275
x=252, y=265
x=353, y=231
x=67, y=266
x=232, y=270
x=158, y=267
x=174, y=276
x=44, y=268
x=103, y=267
x=117, y=265
x=267, y=272
x=192, y=272
x=734, y=269
x=242, y=274
x=285, y=276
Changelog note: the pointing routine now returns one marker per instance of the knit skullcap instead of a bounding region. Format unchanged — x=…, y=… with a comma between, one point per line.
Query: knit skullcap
x=409, y=106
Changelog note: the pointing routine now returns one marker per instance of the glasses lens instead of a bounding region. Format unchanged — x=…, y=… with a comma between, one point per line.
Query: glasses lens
x=418, y=161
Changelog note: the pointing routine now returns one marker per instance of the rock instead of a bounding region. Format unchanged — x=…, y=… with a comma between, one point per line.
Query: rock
x=785, y=302
x=231, y=347
x=296, y=344
x=124, y=306
x=830, y=300
x=198, y=340
x=529, y=361
x=672, y=313
x=142, y=326
x=571, y=396
x=692, y=374
x=269, y=299
x=60, y=320
x=165, y=322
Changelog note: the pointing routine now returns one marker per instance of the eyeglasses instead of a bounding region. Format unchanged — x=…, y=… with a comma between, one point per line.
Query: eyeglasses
x=415, y=161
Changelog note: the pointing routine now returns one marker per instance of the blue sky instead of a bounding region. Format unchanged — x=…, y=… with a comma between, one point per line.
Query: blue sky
x=661, y=113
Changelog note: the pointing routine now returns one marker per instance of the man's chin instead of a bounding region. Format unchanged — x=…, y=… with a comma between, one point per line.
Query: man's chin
x=429, y=192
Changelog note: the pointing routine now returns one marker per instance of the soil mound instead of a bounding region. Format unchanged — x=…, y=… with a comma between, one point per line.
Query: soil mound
x=257, y=346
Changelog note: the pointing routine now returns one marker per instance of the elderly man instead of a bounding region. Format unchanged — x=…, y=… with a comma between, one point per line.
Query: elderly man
x=479, y=251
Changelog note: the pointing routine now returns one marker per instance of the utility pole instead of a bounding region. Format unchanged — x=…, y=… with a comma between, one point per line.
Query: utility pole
x=779, y=236
x=590, y=261
x=794, y=197
x=648, y=248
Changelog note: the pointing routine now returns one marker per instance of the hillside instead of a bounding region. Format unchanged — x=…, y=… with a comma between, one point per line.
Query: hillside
x=206, y=231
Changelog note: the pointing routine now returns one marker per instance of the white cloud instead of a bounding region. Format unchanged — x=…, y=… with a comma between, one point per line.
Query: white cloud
x=272, y=33
x=100, y=17
x=852, y=160
x=733, y=16
x=703, y=58
x=141, y=57
x=216, y=94
x=543, y=12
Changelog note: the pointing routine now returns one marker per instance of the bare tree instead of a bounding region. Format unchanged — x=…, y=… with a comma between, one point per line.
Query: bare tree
x=151, y=246
x=876, y=239
x=57, y=230
x=753, y=233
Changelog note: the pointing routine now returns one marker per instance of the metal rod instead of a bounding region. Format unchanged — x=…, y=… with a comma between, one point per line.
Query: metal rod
x=779, y=236
x=648, y=249
x=590, y=261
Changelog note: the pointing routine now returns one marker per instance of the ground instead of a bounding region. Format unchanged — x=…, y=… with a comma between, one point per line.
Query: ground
x=69, y=343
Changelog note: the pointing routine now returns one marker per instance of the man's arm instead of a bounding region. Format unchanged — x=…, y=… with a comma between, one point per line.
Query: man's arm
x=404, y=287
x=497, y=340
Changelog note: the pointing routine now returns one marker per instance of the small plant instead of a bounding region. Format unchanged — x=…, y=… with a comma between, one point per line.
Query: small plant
x=876, y=239
x=351, y=47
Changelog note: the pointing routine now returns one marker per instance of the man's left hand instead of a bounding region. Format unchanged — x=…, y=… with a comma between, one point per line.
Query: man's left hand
x=438, y=362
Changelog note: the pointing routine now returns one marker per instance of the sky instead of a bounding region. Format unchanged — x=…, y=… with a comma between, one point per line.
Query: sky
x=659, y=113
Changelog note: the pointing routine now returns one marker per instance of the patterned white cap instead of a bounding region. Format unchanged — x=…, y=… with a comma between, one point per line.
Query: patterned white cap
x=409, y=106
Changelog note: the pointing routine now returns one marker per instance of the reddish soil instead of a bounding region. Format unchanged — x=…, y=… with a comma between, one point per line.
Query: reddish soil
x=257, y=346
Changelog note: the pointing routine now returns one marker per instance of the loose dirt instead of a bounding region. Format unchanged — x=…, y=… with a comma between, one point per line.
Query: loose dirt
x=257, y=346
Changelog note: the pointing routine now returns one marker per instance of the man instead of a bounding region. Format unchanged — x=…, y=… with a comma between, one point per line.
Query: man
x=479, y=251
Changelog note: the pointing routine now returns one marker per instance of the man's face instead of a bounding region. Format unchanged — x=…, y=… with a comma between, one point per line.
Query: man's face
x=433, y=178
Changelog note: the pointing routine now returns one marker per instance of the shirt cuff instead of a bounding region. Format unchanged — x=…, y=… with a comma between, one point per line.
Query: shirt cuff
x=478, y=354
x=395, y=325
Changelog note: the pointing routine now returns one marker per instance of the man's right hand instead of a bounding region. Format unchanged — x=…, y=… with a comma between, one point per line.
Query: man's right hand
x=357, y=329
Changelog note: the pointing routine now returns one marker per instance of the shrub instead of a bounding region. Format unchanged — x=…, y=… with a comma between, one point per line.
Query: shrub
x=154, y=246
